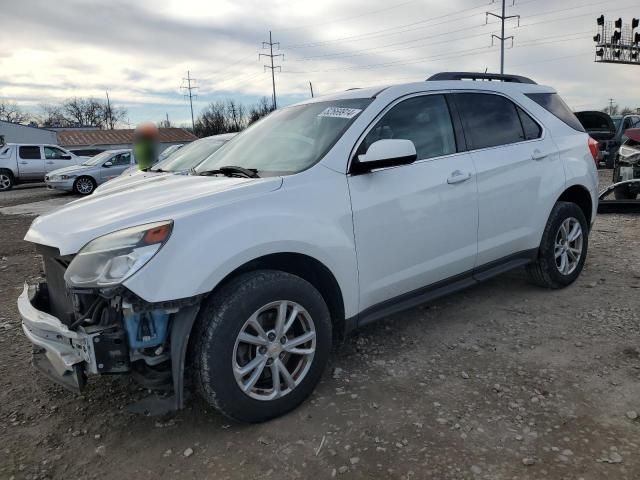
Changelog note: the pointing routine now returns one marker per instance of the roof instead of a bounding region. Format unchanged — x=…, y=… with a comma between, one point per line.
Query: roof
x=26, y=126
x=70, y=138
x=432, y=85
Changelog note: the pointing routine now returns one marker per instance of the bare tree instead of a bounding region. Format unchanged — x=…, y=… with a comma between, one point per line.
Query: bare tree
x=612, y=109
x=52, y=116
x=261, y=108
x=212, y=120
x=11, y=112
x=627, y=111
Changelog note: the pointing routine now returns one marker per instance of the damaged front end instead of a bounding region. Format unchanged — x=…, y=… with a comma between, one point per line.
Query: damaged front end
x=78, y=331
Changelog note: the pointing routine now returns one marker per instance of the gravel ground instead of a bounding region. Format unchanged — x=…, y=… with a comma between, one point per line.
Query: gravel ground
x=501, y=381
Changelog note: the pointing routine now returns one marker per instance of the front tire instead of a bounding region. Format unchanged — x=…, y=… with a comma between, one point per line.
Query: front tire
x=6, y=180
x=261, y=345
x=563, y=249
x=84, y=185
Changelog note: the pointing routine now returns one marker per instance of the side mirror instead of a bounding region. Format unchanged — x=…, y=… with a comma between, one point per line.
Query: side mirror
x=66, y=157
x=385, y=153
x=108, y=164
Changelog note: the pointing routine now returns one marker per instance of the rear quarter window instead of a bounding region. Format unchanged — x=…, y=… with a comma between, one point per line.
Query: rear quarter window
x=552, y=103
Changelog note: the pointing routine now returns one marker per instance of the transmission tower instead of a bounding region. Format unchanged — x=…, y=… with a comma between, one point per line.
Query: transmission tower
x=188, y=88
x=503, y=17
x=271, y=56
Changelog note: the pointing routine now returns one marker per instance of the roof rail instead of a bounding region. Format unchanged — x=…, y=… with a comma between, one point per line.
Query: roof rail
x=480, y=76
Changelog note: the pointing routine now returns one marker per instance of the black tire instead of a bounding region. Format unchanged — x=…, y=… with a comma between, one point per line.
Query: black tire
x=544, y=271
x=6, y=180
x=624, y=193
x=219, y=323
x=82, y=184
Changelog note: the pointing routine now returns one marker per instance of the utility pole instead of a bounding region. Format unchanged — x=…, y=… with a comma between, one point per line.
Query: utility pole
x=502, y=38
x=611, y=106
x=189, y=87
x=270, y=55
x=109, y=113
x=311, y=88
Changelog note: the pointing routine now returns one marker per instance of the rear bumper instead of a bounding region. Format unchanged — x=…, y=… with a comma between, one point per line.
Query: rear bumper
x=63, y=355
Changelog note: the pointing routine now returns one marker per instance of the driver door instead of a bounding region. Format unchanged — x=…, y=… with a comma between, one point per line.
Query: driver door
x=55, y=158
x=415, y=225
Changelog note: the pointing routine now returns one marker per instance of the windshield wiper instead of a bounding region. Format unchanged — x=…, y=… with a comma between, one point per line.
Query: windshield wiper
x=159, y=170
x=231, y=170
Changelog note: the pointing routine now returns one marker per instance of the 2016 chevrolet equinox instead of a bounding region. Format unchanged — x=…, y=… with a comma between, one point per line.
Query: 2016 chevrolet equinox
x=322, y=217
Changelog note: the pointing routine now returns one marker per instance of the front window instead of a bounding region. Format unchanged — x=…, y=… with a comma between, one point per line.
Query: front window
x=616, y=121
x=188, y=156
x=288, y=140
x=53, y=153
x=98, y=159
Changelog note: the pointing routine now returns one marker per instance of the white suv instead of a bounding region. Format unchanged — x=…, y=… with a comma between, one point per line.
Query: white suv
x=322, y=217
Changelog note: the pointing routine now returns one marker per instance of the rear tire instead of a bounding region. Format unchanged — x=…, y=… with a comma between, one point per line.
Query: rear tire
x=563, y=249
x=228, y=342
x=6, y=180
x=84, y=185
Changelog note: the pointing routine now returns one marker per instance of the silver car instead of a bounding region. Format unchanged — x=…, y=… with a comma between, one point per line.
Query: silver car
x=84, y=178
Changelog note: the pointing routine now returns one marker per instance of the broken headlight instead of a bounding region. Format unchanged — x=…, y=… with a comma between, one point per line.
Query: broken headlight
x=111, y=259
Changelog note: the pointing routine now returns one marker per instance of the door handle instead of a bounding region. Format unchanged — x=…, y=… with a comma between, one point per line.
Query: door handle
x=50, y=163
x=538, y=155
x=24, y=163
x=458, y=176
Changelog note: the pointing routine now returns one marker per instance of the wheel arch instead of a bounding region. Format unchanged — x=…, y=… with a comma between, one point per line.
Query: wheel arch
x=579, y=195
x=308, y=268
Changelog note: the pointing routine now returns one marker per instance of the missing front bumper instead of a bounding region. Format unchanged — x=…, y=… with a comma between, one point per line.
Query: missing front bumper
x=61, y=354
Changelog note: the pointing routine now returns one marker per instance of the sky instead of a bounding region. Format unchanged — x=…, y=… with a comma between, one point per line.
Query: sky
x=140, y=50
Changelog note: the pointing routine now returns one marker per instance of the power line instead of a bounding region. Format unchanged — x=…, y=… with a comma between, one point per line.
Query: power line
x=189, y=87
x=271, y=56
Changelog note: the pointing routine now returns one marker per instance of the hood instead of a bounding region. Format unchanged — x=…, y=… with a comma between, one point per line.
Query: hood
x=597, y=124
x=634, y=136
x=71, y=170
x=169, y=197
x=127, y=180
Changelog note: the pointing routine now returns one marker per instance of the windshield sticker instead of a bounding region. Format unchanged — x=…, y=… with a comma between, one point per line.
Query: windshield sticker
x=338, y=112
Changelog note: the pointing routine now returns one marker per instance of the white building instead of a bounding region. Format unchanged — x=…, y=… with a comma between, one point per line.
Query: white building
x=17, y=133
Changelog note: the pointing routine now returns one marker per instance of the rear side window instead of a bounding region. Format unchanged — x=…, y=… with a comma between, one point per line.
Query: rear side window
x=490, y=120
x=555, y=105
x=424, y=120
x=531, y=128
x=30, y=153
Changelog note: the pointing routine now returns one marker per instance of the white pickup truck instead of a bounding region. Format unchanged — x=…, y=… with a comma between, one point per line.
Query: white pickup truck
x=24, y=163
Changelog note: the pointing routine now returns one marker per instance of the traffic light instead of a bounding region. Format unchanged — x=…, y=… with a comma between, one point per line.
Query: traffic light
x=600, y=20
x=615, y=38
x=600, y=52
x=636, y=38
x=597, y=38
x=635, y=22
x=618, y=23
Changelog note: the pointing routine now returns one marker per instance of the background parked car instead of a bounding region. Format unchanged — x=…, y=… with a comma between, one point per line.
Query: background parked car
x=622, y=124
x=180, y=161
x=84, y=178
x=601, y=128
x=628, y=166
x=24, y=163
x=168, y=151
x=86, y=152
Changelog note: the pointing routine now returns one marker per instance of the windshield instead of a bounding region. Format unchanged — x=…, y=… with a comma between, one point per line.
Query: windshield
x=188, y=156
x=616, y=121
x=289, y=140
x=101, y=157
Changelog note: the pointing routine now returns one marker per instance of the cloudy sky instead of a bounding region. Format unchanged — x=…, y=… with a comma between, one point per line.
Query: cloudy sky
x=139, y=50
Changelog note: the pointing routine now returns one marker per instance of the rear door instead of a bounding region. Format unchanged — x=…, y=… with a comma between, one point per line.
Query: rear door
x=30, y=162
x=518, y=172
x=55, y=158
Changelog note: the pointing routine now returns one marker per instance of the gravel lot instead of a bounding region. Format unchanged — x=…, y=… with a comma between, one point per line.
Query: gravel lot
x=502, y=381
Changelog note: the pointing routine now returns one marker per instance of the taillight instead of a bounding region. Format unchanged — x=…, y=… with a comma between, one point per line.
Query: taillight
x=593, y=148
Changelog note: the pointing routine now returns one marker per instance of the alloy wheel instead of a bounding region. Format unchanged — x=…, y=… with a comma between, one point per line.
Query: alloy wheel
x=274, y=350
x=568, y=246
x=84, y=186
x=5, y=181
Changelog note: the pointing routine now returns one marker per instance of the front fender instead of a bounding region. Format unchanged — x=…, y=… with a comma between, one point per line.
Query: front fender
x=310, y=215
